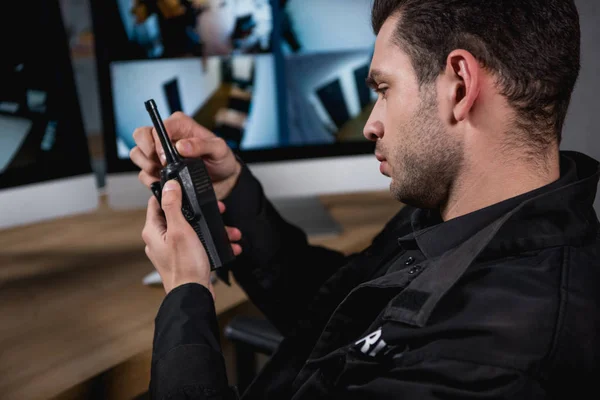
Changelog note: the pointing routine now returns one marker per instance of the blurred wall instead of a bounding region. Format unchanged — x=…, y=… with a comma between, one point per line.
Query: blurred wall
x=320, y=26
x=582, y=129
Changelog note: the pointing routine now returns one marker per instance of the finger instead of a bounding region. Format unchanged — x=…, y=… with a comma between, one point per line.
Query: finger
x=143, y=162
x=179, y=126
x=222, y=207
x=155, y=226
x=159, y=149
x=214, y=148
x=237, y=249
x=147, y=179
x=234, y=234
x=171, y=205
x=145, y=141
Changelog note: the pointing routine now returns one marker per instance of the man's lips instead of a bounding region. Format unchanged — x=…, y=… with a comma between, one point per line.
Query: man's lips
x=383, y=164
x=379, y=157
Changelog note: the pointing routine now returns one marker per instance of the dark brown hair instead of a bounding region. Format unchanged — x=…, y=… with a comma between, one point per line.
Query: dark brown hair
x=532, y=47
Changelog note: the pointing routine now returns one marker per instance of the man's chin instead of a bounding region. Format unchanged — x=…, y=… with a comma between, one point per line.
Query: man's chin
x=417, y=200
x=384, y=169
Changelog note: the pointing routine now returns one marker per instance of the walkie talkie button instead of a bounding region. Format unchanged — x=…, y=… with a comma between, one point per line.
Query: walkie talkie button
x=187, y=213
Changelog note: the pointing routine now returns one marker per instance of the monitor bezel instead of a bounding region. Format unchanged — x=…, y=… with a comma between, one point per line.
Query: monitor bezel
x=70, y=117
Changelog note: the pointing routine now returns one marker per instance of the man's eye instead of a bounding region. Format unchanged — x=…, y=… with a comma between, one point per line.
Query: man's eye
x=382, y=90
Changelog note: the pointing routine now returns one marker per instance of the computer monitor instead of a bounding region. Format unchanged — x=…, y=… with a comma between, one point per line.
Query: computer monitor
x=45, y=170
x=283, y=82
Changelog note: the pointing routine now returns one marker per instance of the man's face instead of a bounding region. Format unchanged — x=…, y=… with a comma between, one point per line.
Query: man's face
x=414, y=143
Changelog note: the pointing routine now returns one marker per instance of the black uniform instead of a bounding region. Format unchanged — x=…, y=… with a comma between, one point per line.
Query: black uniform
x=500, y=303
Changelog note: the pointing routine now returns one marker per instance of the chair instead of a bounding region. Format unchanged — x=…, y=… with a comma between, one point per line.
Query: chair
x=251, y=336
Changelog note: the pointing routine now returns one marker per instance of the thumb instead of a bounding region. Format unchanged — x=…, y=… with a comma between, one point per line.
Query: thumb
x=171, y=205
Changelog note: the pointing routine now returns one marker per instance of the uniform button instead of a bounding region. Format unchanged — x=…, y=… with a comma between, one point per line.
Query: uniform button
x=414, y=270
x=409, y=261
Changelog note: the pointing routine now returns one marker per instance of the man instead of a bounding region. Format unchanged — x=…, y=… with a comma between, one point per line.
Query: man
x=486, y=285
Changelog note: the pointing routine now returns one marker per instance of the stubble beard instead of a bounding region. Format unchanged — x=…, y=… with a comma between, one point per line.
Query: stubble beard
x=427, y=160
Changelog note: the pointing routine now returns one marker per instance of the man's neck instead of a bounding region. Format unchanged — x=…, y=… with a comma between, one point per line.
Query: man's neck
x=490, y=180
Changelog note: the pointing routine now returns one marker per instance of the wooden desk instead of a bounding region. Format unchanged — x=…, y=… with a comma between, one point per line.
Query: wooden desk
x=72, y=304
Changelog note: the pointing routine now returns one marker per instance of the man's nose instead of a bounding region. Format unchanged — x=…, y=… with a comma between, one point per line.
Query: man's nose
x=373, y=130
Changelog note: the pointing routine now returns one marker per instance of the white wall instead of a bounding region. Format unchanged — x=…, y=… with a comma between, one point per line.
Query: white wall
x=316, y=70
x=134, y=82
x=582, y=130
x=241, y=67
x=262, y=128
x=324, y=25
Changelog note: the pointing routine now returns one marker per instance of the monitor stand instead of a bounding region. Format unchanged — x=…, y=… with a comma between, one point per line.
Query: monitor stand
x=309, y=214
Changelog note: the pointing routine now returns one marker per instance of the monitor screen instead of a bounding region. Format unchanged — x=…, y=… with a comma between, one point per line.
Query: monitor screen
x=256, y=72
x=41, y=130
x=45, y=168
x=327, y=47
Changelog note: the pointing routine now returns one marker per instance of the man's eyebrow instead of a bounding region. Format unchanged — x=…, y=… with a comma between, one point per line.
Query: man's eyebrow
x=374, y=75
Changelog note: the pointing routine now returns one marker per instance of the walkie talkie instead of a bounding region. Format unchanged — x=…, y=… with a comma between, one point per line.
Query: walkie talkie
x=199, y=202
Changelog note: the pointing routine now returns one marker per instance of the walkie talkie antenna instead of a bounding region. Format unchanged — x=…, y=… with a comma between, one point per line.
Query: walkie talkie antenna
x=170, y=152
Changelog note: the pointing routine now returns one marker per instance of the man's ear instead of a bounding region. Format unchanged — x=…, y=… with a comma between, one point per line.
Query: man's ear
x=463, y=72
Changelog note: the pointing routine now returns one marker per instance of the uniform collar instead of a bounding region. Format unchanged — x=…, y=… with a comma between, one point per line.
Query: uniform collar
x=550, y=214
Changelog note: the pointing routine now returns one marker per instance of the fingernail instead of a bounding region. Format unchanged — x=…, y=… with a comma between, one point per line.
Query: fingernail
x=170, y=185
x=163, y=158
x=184, y=146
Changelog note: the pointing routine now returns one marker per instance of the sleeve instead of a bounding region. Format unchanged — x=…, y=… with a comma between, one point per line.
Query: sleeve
x=187, y=362
x=439, y=378
x=278, y=269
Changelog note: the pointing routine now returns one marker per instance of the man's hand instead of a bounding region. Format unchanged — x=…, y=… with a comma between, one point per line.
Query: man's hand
x=173, y=246
x=192, y=141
